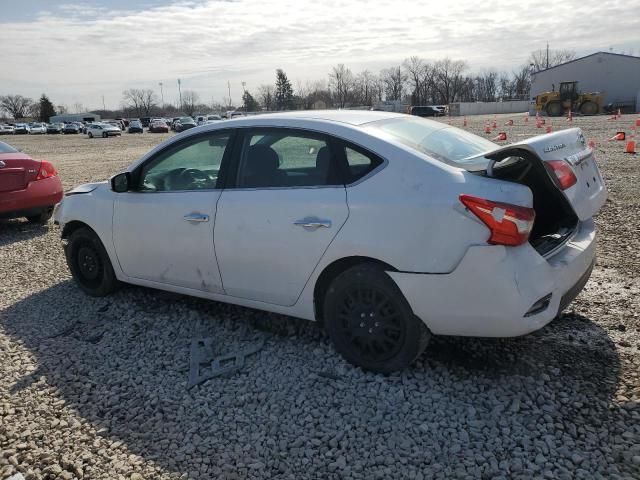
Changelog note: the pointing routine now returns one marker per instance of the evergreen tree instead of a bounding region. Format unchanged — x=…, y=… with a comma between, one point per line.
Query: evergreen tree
x=46, y=109
x=250, y=103
x=284, y=91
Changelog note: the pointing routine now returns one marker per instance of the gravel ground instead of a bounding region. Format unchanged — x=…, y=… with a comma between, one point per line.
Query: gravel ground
x=96, y=388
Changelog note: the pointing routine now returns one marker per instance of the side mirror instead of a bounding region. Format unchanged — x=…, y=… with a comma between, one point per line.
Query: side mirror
x=121, y=183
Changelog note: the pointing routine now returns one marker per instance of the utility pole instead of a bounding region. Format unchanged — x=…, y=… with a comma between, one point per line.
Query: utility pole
x=229, y=90
x=103, y=107
x=547, y=55
x=161, y=95
x=180, y=92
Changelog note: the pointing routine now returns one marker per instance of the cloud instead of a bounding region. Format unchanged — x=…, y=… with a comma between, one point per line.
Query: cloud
x=79, y=52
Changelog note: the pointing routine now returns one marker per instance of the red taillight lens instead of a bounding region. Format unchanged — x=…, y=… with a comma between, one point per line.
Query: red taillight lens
x=46, y=170
x=562, y=172
x=509, y=224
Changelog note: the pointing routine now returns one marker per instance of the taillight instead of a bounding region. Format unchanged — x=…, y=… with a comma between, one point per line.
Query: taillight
x=46, y=170
x=508, y=224
x=563, y=172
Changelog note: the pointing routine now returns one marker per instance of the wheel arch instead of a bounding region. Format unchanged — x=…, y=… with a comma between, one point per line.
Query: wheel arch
x=74, y=225
x=335, y=268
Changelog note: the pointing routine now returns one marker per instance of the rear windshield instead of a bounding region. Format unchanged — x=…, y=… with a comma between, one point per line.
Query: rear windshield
x=4, y=148
x=442, y=142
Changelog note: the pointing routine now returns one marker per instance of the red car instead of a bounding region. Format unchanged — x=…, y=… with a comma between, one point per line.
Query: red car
x=28, y=188
x=158, y=127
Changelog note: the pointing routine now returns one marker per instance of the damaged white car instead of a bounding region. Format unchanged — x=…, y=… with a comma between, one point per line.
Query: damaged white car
x=386, y=228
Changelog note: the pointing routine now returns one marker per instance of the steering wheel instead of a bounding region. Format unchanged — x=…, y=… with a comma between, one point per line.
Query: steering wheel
x=193, y=179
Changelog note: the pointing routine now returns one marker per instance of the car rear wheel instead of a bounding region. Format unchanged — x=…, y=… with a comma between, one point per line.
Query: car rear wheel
x=42, y=218
x=89, y=263
x=104, y=135
x=90, y=135
x=370, y=322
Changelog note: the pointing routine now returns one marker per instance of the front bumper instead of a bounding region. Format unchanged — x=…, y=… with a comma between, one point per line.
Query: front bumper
x=493, y=288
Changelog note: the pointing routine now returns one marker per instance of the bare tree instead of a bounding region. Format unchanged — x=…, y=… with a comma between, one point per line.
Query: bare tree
x=142, y=101
x=485, y=86
x=78, y=107
x=522, y=81
x=16, y=105
x=394, y=81
x=266, y=96
x=538, y=58
x=190, y=101
x=449, y=79
x=341, y=80
x=365, y=88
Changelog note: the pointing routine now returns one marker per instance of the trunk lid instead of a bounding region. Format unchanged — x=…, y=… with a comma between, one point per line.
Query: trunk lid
x=16, y=171
x=589, y=193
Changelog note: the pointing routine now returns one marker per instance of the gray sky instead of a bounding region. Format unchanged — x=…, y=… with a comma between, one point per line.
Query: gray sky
x=79, y=51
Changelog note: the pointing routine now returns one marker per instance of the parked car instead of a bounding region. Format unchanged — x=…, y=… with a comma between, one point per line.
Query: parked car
x=213, y=117
x=71, y=128
x=185, y=123
x=426, y=111
x=55, y=128
x=6, y=130
x=37, y=129
x=158, y=127
x=28, y=188
x=145, y=121
x=21, y=129
x=387, y=228
x=103, y=130
x=135, y=126
x=201, y=119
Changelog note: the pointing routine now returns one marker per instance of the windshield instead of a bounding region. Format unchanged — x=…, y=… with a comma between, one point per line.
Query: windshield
x=186, y=120
x=442, y=142
x=4, y=148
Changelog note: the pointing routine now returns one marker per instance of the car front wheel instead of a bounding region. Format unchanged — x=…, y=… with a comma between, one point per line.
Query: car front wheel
x=89, y=263
x=370, y=322
x=90, y=135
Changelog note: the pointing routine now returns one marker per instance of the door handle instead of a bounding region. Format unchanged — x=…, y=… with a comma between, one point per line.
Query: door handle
x=312, y=223
x=196, y=217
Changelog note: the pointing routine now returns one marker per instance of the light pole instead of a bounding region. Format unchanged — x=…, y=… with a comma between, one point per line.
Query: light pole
x=244, y=90
x=161, y=95
x=180, y=92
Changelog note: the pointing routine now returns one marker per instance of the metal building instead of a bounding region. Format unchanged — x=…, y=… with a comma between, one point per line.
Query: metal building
x=75, y=117
x=614, y=75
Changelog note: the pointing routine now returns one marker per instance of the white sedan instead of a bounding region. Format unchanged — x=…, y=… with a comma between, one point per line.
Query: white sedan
x=37, y=129
x=103, y=130
x=386, y=228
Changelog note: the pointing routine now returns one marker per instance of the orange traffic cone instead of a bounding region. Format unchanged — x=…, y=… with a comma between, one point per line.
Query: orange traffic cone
x=526, y=118
x=502, y=136
x=618, y=137
x=464, y=122
x=592, y=143
x=494, y=124
x=549, y=128
x=570, y=116
x=637, y=122
x=615, y=117
x=487, y=129
x=509, y=123
x=631, y=146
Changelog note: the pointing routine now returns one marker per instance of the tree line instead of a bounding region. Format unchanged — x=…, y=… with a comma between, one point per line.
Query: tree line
x=414, y=81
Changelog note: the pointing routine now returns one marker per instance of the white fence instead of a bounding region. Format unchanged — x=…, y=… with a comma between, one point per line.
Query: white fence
x=487, y=108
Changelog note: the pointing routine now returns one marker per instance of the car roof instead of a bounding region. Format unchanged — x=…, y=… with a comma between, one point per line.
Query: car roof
x=352, y=117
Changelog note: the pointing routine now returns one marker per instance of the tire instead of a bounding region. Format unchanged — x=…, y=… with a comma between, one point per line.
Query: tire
x=370, y=322
x=104, y=135
x=90, y=135
x=554, y=109
x=89, y=263
x=589, y=108
x=42, y=218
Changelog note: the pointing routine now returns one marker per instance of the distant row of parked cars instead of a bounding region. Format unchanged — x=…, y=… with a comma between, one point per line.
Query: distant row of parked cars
x=110, y=128
x=40, y=128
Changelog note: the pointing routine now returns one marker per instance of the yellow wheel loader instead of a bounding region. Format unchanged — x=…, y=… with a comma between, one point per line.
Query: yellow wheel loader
x=556, y=103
